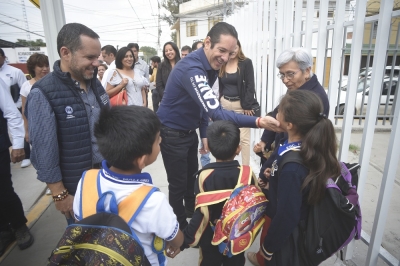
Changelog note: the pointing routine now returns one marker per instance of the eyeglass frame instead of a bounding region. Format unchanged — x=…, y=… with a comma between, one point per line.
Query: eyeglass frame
x=289, y=76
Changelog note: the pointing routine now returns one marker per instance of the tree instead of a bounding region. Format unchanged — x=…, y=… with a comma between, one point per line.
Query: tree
x=173, y=7
x=173, y=36
x=148, y=52
x=29, y=43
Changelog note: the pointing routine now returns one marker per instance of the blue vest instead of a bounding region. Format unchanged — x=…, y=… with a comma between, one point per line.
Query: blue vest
x=4, y=139
x=74, y=139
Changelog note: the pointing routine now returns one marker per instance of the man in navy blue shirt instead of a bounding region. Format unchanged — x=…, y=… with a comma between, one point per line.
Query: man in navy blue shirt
x=187, y=104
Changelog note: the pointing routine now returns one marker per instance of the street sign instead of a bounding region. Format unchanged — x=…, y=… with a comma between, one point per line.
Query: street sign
x=35, y=3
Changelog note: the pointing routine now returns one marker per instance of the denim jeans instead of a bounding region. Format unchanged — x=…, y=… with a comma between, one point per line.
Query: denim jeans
x=205, y=158
x=179, y=153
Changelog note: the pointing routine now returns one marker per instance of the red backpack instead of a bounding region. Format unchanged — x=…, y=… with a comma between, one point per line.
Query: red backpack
x=242, y=215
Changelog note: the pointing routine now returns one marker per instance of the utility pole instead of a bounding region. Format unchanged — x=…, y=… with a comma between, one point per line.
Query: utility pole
x=224, y=8
x=159, y=28
x=25, y=20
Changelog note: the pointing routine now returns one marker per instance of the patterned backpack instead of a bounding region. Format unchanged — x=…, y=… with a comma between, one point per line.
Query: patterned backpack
x=242, y=215
x=104, y=238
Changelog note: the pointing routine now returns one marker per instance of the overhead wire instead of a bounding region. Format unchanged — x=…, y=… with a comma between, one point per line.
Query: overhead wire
x=135, y=12
x=22, y=29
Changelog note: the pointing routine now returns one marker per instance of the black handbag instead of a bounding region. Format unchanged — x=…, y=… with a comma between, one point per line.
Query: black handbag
x=256, y=108
x=14, y=90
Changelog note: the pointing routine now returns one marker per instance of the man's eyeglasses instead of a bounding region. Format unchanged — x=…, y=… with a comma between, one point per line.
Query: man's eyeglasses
x=288, y=75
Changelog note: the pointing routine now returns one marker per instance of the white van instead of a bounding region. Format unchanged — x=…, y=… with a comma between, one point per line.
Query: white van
x=388, y=91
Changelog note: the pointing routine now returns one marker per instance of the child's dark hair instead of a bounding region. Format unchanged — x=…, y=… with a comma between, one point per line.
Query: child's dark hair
x=223, y=139
x=125, y=133
x=304, y=110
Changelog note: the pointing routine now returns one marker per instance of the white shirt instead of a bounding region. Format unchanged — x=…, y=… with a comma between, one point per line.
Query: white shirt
x=106, y=73
x=156, y=217
x=133, y=88
x=25, y=89
x=13, y=116
x=143, y=67
x=12, y=75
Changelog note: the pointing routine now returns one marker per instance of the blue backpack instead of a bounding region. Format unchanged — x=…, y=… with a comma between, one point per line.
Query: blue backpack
x=105, y=238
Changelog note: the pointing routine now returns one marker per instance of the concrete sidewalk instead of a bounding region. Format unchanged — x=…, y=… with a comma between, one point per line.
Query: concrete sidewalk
x=47, y=224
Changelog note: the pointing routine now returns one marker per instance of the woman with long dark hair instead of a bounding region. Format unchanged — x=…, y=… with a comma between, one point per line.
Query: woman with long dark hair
x=236, y=90
x=171, y=57
x=126, y=77
x=293, y=187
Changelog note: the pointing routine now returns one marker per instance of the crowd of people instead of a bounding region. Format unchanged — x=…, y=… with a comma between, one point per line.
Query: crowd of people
x=68, y=127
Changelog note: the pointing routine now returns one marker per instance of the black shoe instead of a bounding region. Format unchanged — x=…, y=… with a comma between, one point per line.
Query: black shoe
x=6, y=239
x=24, y=237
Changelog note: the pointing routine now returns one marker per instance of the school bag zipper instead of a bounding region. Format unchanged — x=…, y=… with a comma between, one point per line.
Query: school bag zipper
x=109, y=252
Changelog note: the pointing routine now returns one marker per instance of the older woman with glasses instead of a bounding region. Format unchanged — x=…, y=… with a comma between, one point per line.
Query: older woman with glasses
x=295, y=72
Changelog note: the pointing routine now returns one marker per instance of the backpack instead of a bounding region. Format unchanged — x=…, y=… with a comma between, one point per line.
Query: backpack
x=335, y=221
x=102, y=237
x=242, y=215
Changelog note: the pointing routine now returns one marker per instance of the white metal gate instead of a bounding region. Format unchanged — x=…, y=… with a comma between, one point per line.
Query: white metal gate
x=267, y=27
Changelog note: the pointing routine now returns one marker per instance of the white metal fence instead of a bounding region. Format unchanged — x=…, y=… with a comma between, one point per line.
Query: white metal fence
x=267, y=27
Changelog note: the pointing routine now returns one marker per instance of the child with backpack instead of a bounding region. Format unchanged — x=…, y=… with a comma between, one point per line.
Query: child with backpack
x=223, y=141
x=295, y=186
x=129, y=139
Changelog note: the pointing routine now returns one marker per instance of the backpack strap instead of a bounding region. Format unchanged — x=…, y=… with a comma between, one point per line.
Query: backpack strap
x=89, y=184
x=292, y=156
x=130, y=207
x=214, y=197
x=244, y=176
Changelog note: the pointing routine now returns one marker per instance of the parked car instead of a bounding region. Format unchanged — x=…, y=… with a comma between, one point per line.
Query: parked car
x=388, y=91
x=388, y=71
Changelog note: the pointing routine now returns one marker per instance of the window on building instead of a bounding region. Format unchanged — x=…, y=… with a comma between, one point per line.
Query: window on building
x=212, y=21
x=191, y=28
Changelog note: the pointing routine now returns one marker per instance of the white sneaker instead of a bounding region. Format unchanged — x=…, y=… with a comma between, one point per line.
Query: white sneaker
x=25, y=163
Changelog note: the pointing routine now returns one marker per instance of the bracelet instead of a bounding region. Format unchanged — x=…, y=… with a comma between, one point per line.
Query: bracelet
x=258, y=122
x=61, y=196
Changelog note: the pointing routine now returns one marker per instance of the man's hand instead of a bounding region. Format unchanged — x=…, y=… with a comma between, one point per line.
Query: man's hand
x=270, y=123
x=204, y=149
x=65, y=206
x=17, y=155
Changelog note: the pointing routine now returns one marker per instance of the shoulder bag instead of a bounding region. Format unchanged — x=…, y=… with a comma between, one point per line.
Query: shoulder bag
x=121, y=98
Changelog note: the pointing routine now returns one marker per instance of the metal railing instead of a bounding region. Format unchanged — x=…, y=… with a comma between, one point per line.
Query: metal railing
x=267, y=27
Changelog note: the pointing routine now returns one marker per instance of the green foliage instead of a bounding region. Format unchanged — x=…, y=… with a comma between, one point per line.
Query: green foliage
x=173, y=36
x=29, y=43
x=173, y=7
x=354, y=148
x=148, y=52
